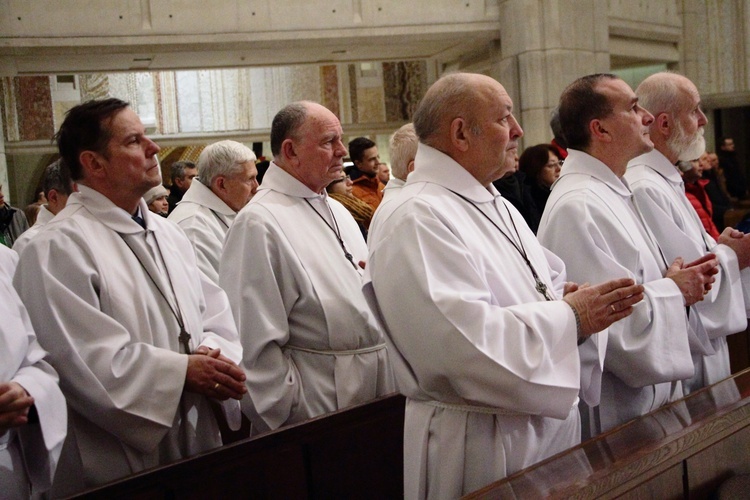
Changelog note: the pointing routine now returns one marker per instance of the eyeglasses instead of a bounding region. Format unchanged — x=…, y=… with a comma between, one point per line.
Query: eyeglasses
x=347, y=178
x=554, y=164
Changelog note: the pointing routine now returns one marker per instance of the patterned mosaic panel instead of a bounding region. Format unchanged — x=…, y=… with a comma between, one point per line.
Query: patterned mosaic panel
x=94, y=86
x=34, y=108
x=404, y=83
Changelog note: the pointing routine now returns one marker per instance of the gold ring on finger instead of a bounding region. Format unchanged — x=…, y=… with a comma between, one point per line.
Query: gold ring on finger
x=216, y=386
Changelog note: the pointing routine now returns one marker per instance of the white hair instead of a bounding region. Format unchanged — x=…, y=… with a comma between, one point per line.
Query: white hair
x=403, y=149
x=222, y=158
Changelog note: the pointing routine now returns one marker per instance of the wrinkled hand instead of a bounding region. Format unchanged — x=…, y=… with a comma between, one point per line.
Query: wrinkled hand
x=694, y=279
x=601, y=305
x=572, y=287
x=213, y=375
x=15, y=403
x=739, y=242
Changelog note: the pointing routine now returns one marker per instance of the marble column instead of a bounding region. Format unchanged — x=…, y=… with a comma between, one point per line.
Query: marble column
x=544, y=45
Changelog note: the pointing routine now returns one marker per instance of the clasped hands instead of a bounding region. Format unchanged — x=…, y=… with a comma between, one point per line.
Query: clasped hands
x=211, y=374
x=694, y=279
x=601, y=305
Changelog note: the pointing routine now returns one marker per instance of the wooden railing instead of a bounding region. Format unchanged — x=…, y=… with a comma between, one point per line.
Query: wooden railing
x=688, y=447
x=683, y=450
x=353, y=453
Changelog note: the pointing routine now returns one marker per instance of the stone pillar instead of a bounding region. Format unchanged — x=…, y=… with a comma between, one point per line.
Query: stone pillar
x=544, y=45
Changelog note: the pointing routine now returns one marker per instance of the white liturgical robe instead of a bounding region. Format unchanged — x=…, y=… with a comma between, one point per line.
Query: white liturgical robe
x=28, y=454
x=311, y=344
x=89, y=283
x=660, y=194
x=490, y=368
x=42, y=219
x=205, y=218
x=590, y=221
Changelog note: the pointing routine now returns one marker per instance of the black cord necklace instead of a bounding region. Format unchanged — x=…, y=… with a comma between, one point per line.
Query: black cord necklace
x=540, y=286
x=335, y=231
x=183, y=337
x=219, y=218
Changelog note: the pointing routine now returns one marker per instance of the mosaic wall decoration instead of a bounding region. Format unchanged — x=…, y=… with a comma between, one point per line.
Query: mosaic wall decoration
x=34, y=108
x=94, y=86
x=405, y=83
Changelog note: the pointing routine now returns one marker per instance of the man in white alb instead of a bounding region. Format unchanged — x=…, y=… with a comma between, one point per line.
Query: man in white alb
x=677, y=134
x=227, y=179
x=292, y=269
x=33, y=419
x=481, y=343
x=592, y=223
x=141, y=339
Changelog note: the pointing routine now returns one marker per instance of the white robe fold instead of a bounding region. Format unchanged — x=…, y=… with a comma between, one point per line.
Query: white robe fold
x=113, y=339
x=590, y=222
x=660, y=194
x=42, y=219
x=28, y=454
x=206, y=219
x=299, y=307
x=467, y=328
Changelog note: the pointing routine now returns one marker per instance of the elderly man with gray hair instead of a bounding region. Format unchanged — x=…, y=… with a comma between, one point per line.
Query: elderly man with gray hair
x=227, y=179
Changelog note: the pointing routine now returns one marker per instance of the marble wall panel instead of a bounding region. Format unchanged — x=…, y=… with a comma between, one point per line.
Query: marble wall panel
x=329, y=80
x=352, y=70
x=371, y=108
x=34, y=108
x=188, y=101
x=404, y=84
x=94, y=86
x=9, y=109
x=165, y=87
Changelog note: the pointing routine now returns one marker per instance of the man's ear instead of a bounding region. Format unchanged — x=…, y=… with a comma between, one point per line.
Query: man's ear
x=598, y=131
x=410, y=167
x=663, y=124
x=52, y=197
x=289, y=151
x=218, y=184
x=459, y=134
x=92, y=163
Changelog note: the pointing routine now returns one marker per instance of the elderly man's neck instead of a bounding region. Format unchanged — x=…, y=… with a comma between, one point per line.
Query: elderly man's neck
x=124, y=199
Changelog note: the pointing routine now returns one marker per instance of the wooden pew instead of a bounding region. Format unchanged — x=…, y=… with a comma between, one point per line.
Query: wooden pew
x=353, y=453
x=683, y=450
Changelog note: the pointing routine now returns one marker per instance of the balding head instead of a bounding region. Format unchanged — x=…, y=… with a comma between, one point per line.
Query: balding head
x=306, y=143
x=677, y=130
x=469, y=118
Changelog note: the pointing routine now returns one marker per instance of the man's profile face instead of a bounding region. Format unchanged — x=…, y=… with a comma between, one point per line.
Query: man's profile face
x=319, y=147
x=186, y=180
x=370, y=162
x=687, y=140
x=384, y=173
x=130, y=156
x=628, y=123
x=241, y=187
x=496, y=144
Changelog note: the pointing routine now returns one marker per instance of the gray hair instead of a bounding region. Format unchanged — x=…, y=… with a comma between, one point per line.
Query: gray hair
x=222, y=158
x=403, y=149
x=661, y=93
x=448, y=98
x=286, y=124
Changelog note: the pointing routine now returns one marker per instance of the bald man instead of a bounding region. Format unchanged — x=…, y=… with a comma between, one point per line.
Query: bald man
x=677, y=134
x=481, y=324
x=291, y=267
